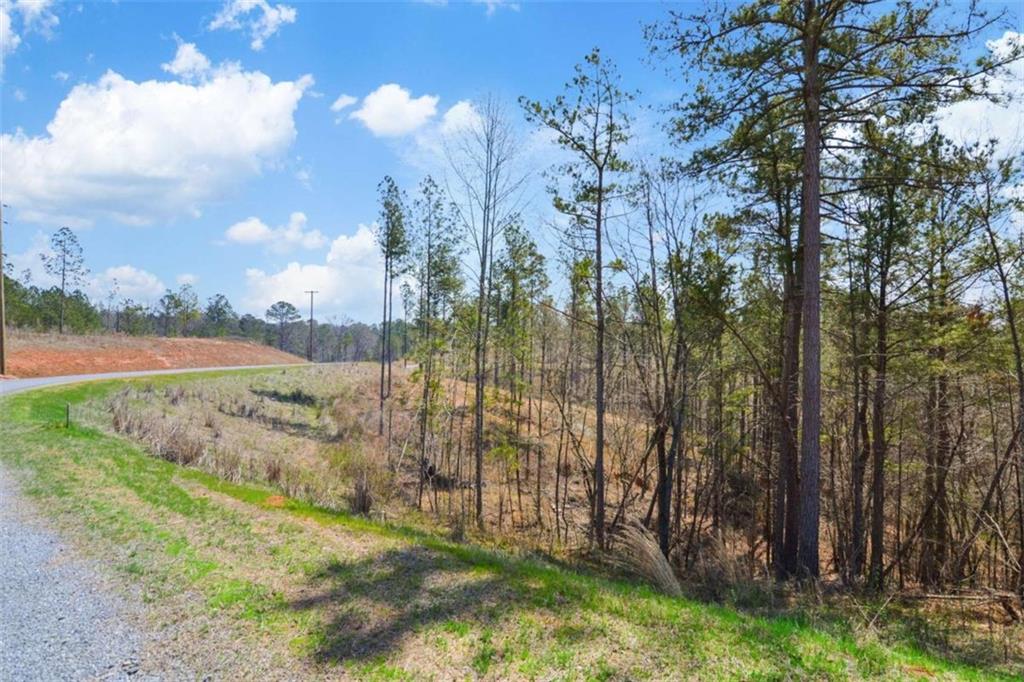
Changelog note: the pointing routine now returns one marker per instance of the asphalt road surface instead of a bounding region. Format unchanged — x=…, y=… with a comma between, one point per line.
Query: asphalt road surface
x=9, y=386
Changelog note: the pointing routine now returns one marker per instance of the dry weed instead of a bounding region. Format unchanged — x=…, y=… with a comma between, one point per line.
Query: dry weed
x=636, y=551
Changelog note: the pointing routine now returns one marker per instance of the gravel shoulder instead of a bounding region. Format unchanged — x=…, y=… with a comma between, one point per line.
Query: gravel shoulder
x=59, y=618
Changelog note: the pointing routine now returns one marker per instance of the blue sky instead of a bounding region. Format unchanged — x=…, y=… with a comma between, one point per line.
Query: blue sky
x=196, y=141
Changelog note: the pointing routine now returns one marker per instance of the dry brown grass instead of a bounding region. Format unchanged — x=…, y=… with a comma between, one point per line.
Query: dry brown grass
x=303, y=432
x=635, y=550
x=169, y=439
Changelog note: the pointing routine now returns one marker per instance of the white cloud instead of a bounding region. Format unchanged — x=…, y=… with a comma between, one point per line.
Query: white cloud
x=390, y=111
x=30, y=261
x=188, y=63
x=350, y=281
x=280, y=240
x=135, y=152
x=460, y=116
x=258, y=17
x=20, y=95
x=494, y=5
x=131, y=282
x=35, y=15
x=187, y=278
x=9, y=40
x=343, y=101
x=305, y=177
x=979, y=120
x=249, y=231
x=426, y=149
x=61, y=76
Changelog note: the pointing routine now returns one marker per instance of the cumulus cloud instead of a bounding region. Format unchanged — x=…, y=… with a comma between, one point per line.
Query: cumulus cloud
x=350, y=281
x=426, y=149
x=460, y=116
x=279, y=240
x=187, y=278
x=129, y=282
x=188, y=63
x=258, y=18
x=134, y=152
x=61, y=76
x=391, y=111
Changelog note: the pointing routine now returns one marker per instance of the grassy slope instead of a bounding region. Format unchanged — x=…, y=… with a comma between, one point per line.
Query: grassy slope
x=323, y=593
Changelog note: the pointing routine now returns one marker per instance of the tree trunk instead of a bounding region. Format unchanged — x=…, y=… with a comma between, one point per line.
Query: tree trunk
x=810, y=444
x=1018, y=366
x=785, y=515
x=878, y=445
x=383, y=343
x=599, y=405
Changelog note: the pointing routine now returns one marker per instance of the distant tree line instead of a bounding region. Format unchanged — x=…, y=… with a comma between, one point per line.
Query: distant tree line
x=65, y=307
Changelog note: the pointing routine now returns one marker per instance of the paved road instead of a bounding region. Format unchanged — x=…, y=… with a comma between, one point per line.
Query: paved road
x=59, y=619
x=9, y=386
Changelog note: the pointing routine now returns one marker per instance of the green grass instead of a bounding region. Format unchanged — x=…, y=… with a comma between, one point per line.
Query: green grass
x=385, y=602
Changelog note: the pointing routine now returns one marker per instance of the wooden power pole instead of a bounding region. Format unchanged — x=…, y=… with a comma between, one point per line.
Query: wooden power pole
x=310, y=351
x=3, y=302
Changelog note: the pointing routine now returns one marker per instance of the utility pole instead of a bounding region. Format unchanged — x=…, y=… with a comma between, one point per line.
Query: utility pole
x=3, y=303
x=311, y=292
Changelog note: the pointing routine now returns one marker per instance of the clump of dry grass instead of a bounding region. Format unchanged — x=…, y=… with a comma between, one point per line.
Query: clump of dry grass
x=272, y=470
x=172, y=440
x=226, y=463
x=348, y=423
x=719, y=574
x=175, y=394
x=242, y=408
x=371, y=479
x=636, y=551
x=177, y=443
